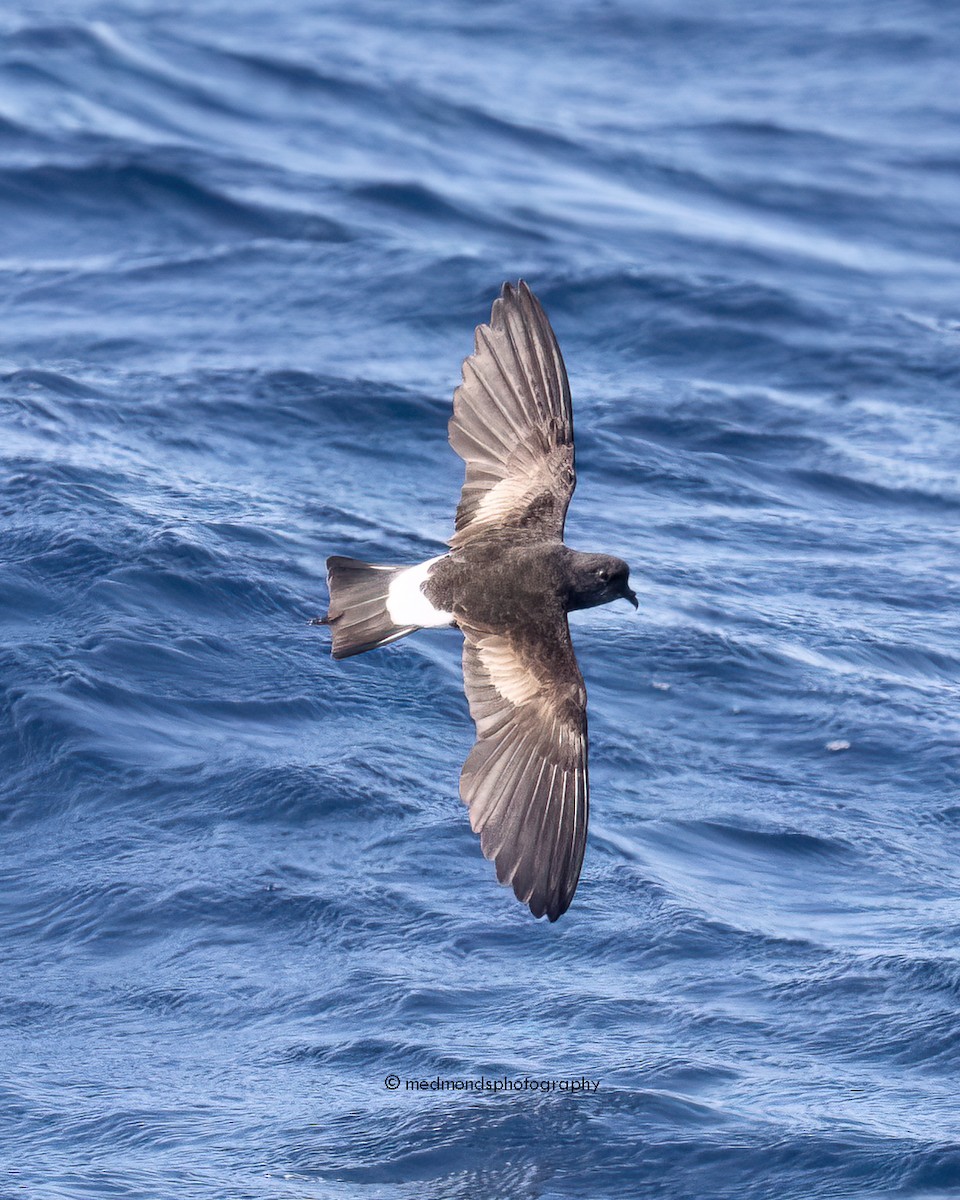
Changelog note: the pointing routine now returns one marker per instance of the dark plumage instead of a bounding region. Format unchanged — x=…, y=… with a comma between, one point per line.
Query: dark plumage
x=508, y=584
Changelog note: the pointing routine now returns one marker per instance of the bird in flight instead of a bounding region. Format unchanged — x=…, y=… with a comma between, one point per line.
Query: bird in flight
x=507, y=582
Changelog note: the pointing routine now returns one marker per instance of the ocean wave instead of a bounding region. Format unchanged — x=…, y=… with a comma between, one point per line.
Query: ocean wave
x=122, y=188
x=242, y=264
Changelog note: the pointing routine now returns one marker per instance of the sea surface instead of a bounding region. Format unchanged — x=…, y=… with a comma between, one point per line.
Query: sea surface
x=242, y=254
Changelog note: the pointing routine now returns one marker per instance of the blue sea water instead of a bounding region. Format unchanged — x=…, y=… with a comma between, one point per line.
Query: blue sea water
x=242, y=254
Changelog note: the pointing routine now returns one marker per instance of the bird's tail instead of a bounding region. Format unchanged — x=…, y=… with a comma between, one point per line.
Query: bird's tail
x=358, y=615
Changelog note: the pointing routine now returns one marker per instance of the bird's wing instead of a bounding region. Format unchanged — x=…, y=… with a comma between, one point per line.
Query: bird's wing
x=512, y=425
x=525, y=780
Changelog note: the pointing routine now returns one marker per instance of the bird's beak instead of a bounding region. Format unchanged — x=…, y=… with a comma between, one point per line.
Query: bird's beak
x=629, y=594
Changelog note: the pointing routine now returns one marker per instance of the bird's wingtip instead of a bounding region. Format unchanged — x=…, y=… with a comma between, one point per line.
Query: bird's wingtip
x=510, y=291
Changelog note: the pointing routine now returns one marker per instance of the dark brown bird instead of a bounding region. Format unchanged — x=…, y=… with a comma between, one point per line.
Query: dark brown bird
x=507, y=583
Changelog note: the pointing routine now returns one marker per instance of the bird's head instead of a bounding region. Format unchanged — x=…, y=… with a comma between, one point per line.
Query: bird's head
x=598, y=579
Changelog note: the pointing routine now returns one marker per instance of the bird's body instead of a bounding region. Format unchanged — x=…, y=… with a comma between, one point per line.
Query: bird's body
x=507, y=583
x=498, y=583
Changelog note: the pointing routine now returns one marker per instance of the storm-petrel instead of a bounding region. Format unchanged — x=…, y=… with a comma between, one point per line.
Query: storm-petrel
x=507, y=583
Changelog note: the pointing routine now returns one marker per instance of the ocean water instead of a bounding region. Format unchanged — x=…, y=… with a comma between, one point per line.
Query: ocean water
x=242, y=254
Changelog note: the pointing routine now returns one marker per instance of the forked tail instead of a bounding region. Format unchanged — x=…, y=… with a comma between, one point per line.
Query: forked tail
x=358, y=616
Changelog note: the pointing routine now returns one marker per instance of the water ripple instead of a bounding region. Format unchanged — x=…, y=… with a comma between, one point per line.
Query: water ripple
x=241, y=262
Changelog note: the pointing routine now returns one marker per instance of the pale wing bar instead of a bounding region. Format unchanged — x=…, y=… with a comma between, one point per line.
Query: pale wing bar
x=512, y=424
x=525, y=781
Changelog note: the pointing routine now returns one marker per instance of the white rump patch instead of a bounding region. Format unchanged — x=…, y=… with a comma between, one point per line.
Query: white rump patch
x=406, y=603
x=515, y=682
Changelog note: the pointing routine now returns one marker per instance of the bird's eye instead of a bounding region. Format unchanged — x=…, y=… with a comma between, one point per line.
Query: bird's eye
x=603, y=575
